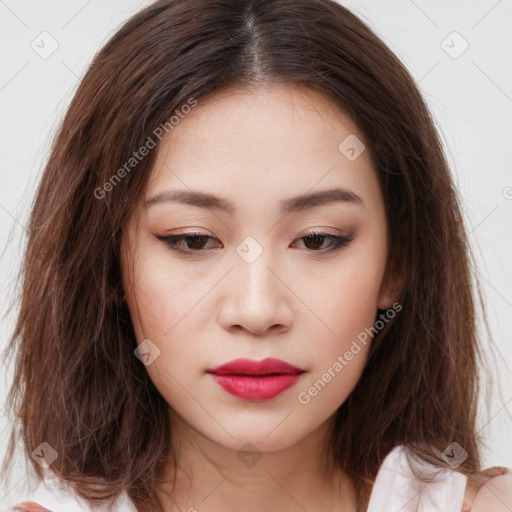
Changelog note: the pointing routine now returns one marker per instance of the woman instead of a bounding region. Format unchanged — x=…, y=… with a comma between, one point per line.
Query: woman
x=252, y=277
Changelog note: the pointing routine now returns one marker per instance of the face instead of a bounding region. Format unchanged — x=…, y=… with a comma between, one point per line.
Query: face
x=268, y=265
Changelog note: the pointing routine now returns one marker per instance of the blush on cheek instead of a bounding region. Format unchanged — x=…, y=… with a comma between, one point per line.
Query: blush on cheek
x=350, y=313
x=336, y=377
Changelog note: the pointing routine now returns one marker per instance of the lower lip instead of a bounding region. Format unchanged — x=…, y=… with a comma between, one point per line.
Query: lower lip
x=256, y=389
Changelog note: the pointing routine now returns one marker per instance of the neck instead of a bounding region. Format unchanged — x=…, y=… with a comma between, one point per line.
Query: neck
x=214, y=477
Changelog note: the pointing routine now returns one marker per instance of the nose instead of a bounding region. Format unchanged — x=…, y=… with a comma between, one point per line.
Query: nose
x=256, y=299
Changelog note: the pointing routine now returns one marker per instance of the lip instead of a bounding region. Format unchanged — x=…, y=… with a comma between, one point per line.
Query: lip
x=256, y=380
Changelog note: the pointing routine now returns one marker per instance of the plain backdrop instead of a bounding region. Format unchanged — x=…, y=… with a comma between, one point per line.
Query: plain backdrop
x=458, y=52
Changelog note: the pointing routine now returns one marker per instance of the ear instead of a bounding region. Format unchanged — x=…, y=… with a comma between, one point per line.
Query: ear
x=393, y=281
x=391, y=289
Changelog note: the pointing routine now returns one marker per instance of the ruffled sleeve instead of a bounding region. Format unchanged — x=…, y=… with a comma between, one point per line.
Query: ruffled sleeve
x=397, y=489
x=30, y=506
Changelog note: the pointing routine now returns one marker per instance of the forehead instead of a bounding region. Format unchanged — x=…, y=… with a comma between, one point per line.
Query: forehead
x=261, y=122
x=270, y=141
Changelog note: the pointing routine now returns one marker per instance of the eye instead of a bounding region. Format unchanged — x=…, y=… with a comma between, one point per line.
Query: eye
x=315, y=240
x=194, y=242
x=197, y=243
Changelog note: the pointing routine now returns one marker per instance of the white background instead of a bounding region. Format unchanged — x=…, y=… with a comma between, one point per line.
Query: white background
x=469, y=96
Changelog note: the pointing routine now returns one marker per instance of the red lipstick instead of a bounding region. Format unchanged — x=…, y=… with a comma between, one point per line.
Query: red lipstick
x=256, y=381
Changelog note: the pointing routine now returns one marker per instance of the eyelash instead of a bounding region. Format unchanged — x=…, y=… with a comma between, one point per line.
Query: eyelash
x=172, y=241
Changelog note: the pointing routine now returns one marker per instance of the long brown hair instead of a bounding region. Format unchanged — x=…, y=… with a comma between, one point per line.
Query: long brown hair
x=78, y=385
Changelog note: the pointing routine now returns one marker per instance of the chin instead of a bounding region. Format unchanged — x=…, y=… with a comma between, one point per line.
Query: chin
x=271, y=433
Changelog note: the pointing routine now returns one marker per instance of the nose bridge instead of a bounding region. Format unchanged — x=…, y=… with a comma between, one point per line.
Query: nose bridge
x=256, y=299
x=255, y=272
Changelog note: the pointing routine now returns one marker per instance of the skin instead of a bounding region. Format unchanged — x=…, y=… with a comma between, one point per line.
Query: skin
x=304, y=307
x=495, y=495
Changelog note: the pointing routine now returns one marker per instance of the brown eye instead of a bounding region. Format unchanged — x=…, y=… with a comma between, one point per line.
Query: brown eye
x=315, y=240
x=196, y=242
x=186, y=243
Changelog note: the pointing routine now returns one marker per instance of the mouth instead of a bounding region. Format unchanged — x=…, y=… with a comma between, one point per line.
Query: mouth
x=256, y=381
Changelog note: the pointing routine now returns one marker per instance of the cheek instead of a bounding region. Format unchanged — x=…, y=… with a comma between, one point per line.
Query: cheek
x=356, y=306
x=158, y=297
x=346, y=297
x=348, y=316
x=166, y=308
x=328, y=388
x=347, y=310
x=158, y=302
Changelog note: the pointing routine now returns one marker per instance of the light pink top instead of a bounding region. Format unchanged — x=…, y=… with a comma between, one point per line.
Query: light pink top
x=396, y=489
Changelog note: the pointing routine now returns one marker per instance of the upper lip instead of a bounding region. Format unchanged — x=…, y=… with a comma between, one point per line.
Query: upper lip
x=267, y=366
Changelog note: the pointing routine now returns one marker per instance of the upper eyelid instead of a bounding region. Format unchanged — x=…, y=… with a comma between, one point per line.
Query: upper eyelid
x=179, y=237
x=311, y=232
x=201, y=232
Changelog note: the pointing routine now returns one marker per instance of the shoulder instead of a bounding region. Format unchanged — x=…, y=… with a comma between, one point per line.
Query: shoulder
x=53, y=495
x=494, y=496
x=397, y=483
x=29, y=506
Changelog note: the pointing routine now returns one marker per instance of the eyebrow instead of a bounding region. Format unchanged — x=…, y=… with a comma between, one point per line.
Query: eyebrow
x=293, y=204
